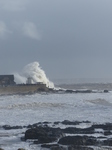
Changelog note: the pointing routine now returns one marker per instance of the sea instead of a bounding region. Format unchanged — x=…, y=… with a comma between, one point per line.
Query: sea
x=22, y=110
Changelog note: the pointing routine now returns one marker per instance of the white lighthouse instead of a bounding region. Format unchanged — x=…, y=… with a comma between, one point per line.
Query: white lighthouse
x=29, y=80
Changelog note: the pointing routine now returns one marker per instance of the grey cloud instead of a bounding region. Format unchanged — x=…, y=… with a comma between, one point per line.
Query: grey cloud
x=4, y=31
x=30, y=30
x=75, y=36
x=13, y=5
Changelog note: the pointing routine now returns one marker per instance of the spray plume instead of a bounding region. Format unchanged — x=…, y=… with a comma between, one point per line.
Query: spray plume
x=33, y=71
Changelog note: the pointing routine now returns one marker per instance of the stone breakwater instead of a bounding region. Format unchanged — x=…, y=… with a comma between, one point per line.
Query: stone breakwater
x=67, y=135
x=22, y=89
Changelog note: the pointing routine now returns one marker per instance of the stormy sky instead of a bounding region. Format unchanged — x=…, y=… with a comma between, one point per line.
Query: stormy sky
x=69, y=38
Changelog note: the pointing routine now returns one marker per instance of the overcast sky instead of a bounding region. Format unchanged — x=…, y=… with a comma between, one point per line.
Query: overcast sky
x=69, y=38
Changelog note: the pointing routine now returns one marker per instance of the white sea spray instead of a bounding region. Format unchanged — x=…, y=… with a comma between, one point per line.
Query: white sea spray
x=35, y=72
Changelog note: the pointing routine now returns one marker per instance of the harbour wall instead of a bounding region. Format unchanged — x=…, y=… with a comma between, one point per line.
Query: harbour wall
x=23, y=89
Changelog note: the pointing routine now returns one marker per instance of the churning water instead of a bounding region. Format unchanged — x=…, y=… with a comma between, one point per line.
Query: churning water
x=29, y=109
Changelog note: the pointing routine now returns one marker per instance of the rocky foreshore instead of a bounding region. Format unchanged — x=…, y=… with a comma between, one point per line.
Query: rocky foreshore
x=67, y=135
x=76, y=91
x=55, y=91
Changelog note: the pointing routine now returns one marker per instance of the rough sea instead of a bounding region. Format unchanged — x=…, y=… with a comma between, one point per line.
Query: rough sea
x=23, y=110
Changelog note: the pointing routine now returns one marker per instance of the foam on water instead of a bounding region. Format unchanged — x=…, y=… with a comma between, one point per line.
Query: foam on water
x=29, y=109
x=100, y=102
x=94, y=107
x=31, y=105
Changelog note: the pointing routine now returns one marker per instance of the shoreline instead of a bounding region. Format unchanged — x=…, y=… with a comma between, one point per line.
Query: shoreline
x=72, y=135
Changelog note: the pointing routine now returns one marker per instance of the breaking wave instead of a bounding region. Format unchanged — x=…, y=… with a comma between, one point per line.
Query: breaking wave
x=100, y=101
x=34, y=71
x=33, y=105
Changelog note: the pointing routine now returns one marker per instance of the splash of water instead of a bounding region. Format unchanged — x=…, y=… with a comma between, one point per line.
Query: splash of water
x=33, y=71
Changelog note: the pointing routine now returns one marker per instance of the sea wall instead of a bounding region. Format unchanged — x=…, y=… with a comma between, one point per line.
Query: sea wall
x=22, y=89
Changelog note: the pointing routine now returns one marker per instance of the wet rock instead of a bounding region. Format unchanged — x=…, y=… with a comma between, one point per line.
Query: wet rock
x=44, y=134
x=57, y=148
x=57, y=122
x=47, y=139
x=45, y=122
x=105, y=91
x=35, y=133
x=101, y=137
x=22, y=138
x=7, y=127
x=79, y=148
x=69, y=91
x=73, y=130
x=79, y=91
x=91, y=141
x=43, y=139
x=106, y=133
x=107, y=126
x=107, y=142
x=67, y=122
x=88, y=91
x=35, y=125
x=49, y=145
x=83, y=91
x=73, y=140
x=78, y=140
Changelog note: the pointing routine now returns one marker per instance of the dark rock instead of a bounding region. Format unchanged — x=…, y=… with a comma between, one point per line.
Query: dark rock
x=73, y=140
x=36, y=142
x=101, y=137
x=34, y=125
x=21, y=149
x=73, y=130
x=107, y=142
x=78, y=140
x=57, y=122
x=86, y=121
x=46, y=139
x=79, y=148
x=67, y=122
x=45, y=122
x=35, y=133
x=7, y=127
x=91, y=141
x=83, y=91
x=57, y=148
x=44, y=134
x=29, y=126
x=106, y=91
x=22, y=138
x=48, y=145
x=106, y=133
x=107, y=126
x=69, y=91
